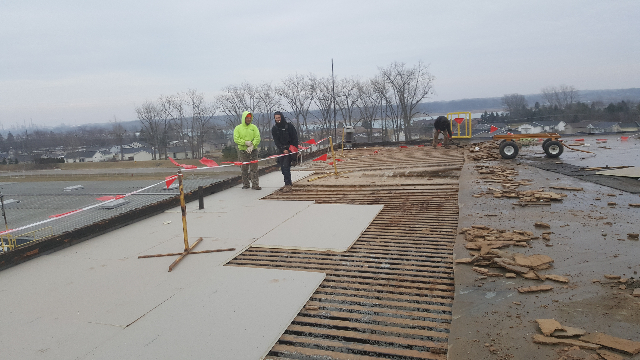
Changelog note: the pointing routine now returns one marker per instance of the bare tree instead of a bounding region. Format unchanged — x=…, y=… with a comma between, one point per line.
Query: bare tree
x=368, y=104
x=562, y=96
x=118, y=132
x=149, y=116
x=389, y=100
x=297, y=92
x=237, y=100
x=270, y=103
x=201, y=118
x=323, y=101
x=347, y=97
x=410, y=85
x=514, y=104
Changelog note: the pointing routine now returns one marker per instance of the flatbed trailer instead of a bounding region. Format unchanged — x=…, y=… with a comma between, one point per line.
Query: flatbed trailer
x=509, y=148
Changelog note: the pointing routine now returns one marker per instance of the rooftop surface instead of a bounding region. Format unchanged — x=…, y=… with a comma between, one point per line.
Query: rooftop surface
x=389, y=289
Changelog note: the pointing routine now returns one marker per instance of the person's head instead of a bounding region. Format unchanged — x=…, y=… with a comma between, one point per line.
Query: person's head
x=247, y=117
x=278, y=117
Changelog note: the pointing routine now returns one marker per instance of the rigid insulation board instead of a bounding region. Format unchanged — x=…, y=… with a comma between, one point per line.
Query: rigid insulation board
x=329, y=227
x=234, y=313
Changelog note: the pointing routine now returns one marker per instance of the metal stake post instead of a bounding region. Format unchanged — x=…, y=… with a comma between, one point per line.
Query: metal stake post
x=187, y=249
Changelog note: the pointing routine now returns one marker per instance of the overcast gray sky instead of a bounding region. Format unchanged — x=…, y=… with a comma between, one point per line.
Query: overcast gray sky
x=86, y=61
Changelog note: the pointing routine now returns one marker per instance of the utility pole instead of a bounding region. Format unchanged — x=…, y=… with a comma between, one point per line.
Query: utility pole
x=333, y=95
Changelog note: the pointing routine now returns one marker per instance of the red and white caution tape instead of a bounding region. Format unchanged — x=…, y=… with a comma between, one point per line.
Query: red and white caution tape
x=168, y=181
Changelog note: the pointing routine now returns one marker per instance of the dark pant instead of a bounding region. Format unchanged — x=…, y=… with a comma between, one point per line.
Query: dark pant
x=285, y=167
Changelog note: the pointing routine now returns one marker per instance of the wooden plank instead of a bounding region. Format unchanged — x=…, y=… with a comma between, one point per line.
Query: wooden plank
x=360, y=347
x=310, y=323
x=375, y=318
x=382, y=310
x=381, y=303
x=378, y=295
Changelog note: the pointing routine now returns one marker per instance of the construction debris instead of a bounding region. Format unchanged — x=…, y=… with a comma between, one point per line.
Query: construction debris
x=535, y=288
x=612, y=277
x=607, y=355
x=633, y=236
x=568, y=331
x=558, y=278
x=542, y=225
x=612, y=342
x=548, y=326
x=486, y=151
x=566, y=188
x=541, y=339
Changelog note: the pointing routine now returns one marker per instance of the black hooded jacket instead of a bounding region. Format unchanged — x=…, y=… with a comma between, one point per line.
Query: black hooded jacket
x=443, y=124
x=284, y=134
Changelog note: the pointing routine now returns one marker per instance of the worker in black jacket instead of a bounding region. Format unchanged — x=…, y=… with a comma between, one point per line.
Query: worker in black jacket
x=285, y=135
x=442, y=124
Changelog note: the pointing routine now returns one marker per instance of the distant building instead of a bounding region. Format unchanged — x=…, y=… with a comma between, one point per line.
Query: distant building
x=590, y=127
x=137, y=154
x=88, y=156
x=536, y=127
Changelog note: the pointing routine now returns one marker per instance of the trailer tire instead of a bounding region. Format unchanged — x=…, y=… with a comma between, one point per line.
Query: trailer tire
x=544, y=144
x=554, y=149
x=509, y=150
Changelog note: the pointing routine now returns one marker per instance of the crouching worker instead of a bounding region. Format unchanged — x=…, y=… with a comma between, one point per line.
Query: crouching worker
x=247, y=137
x=285, y=136
x=442, y=124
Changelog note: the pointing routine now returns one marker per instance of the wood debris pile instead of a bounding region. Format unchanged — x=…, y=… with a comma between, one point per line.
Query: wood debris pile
x=485, y=243
x=485, y=151
x=505, y=176
x=606, y=346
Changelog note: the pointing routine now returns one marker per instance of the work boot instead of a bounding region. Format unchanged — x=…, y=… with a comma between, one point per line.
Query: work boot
x=287, y=188
x=245, y=186
x=257, y=188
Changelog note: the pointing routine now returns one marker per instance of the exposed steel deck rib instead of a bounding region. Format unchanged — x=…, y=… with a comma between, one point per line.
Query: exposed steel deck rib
x=390, y=295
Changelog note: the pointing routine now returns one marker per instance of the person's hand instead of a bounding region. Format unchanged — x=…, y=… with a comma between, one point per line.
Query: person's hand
x=248, y=143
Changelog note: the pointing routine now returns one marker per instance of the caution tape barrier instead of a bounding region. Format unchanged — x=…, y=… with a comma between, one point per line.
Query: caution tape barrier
x=168, y=180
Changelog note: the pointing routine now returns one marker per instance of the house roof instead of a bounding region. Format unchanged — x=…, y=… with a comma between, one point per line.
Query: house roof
x=547, y=122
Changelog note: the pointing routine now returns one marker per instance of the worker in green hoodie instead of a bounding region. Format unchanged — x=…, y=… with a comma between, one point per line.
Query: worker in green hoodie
x=247, y=137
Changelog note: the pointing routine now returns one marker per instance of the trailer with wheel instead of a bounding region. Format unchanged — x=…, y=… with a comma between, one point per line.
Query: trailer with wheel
x=509, y=148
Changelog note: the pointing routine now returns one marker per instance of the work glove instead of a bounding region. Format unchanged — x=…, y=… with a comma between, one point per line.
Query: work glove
x=249, y=146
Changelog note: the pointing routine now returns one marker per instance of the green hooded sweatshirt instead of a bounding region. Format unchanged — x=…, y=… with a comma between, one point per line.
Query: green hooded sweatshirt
x=244, y=132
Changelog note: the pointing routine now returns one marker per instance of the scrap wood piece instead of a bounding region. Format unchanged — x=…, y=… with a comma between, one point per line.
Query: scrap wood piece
x=567, y=188
x=633, y=236
x=608, y=341
x=480, y=270
x=510, y=265
x=535, y=288
x=529, y=203
x=463, y=261
x=608, y=355
x=568, y=332
x=558, y=278
x=542, y=225
x=612, y=277
x=531, y=275
x=548, y=326
x=536, y=261
x=634, y=205
x=636, y=292
x=488, y=244
x=547, y=340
